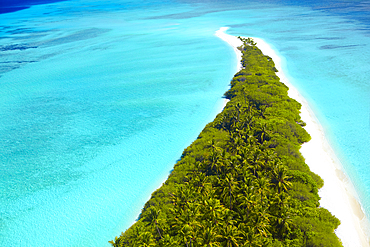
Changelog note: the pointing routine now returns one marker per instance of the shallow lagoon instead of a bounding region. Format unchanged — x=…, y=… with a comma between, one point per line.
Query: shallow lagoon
x=99, y=100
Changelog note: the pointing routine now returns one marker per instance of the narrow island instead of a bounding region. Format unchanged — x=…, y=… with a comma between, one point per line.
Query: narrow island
x=243, y=182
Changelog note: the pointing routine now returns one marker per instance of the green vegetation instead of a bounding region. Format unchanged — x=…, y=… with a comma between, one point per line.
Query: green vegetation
x=243, y=182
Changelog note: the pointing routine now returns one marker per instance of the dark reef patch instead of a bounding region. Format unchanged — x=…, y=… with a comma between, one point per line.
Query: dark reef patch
x=16, y=47
x=327, y=47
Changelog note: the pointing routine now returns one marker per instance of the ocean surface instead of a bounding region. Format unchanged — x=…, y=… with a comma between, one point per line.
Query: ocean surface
x=98, y=99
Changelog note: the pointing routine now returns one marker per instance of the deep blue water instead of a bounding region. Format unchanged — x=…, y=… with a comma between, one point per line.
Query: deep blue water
x=7, y=6
x=99, y=98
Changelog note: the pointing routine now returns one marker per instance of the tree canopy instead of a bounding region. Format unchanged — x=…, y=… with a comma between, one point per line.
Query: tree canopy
x=243, y=182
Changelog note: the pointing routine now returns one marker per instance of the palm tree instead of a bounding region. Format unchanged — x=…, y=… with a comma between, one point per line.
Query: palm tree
x=146, y=240
x=280, y=179
x=236, y=141
x=262, y=223
x=114, y=243
x=249, y=118
x=283, y=223
x=228, y=185
x=238, y=108
x=152, y=217
x=263, y=133
x=231, y=235
x=252, y=160
x=200, y=181
x=168, y=241
x=213, y=211
x=138, y=234
x=186, y=222
x=269, y=159
x=209, y=236
x=183, y=194
x=247, y=200
x=281, y=213
x=261, y=184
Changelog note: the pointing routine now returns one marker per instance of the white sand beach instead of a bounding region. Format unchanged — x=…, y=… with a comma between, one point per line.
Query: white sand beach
x=234, y=42
x=337, y=192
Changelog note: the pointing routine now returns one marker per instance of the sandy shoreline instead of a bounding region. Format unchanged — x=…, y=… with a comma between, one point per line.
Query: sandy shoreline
x=336, y=194
x=234, y=42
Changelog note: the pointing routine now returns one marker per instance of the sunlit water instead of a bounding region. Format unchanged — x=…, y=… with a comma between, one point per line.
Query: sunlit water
x=98, y=100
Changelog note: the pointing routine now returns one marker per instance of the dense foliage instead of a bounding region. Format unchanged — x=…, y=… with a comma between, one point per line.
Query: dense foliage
x=243, y=182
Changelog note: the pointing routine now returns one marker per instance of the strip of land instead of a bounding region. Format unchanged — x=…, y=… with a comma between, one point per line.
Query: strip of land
x=243, y=181
x=337, y=192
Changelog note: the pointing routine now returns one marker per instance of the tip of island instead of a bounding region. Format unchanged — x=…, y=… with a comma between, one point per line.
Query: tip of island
x=262, y=173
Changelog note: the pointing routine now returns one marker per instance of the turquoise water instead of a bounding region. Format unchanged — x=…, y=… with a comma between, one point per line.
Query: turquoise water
x=98, y=100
